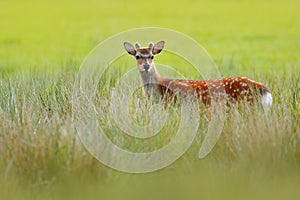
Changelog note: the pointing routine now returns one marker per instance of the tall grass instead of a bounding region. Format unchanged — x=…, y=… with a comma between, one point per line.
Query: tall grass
x=40, y=149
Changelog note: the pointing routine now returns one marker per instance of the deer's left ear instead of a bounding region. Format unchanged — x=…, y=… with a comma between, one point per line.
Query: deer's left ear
x=129, y=48
x=150, y=46
x=158, y=47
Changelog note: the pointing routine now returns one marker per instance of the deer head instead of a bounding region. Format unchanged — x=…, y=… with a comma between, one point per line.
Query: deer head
x=144, y=56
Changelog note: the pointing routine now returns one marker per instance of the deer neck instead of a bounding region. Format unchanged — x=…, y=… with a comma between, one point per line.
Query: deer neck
x=150, y=81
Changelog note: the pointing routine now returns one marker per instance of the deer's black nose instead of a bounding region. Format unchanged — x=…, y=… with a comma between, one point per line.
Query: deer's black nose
x=146, y=66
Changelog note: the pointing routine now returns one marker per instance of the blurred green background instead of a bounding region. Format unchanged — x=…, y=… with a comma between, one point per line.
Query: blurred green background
x=255, y=38
x=59, y=34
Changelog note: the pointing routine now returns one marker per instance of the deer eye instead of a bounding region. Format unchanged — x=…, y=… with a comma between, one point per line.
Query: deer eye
x=137, y=57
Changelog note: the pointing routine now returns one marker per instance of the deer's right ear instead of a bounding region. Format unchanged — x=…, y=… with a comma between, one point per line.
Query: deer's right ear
x=129, y=48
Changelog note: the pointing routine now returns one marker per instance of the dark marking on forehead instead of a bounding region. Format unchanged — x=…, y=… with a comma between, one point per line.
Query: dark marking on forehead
x=144, y=51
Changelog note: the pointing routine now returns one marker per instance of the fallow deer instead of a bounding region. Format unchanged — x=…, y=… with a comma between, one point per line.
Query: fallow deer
x=230, y=89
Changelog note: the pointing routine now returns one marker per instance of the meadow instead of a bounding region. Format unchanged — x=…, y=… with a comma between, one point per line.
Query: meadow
x=42, y=45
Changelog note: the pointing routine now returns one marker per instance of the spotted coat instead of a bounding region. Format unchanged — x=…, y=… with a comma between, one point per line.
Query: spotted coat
x=229, y=89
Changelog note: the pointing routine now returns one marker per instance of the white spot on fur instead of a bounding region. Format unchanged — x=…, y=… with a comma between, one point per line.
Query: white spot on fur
x=243, y=91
